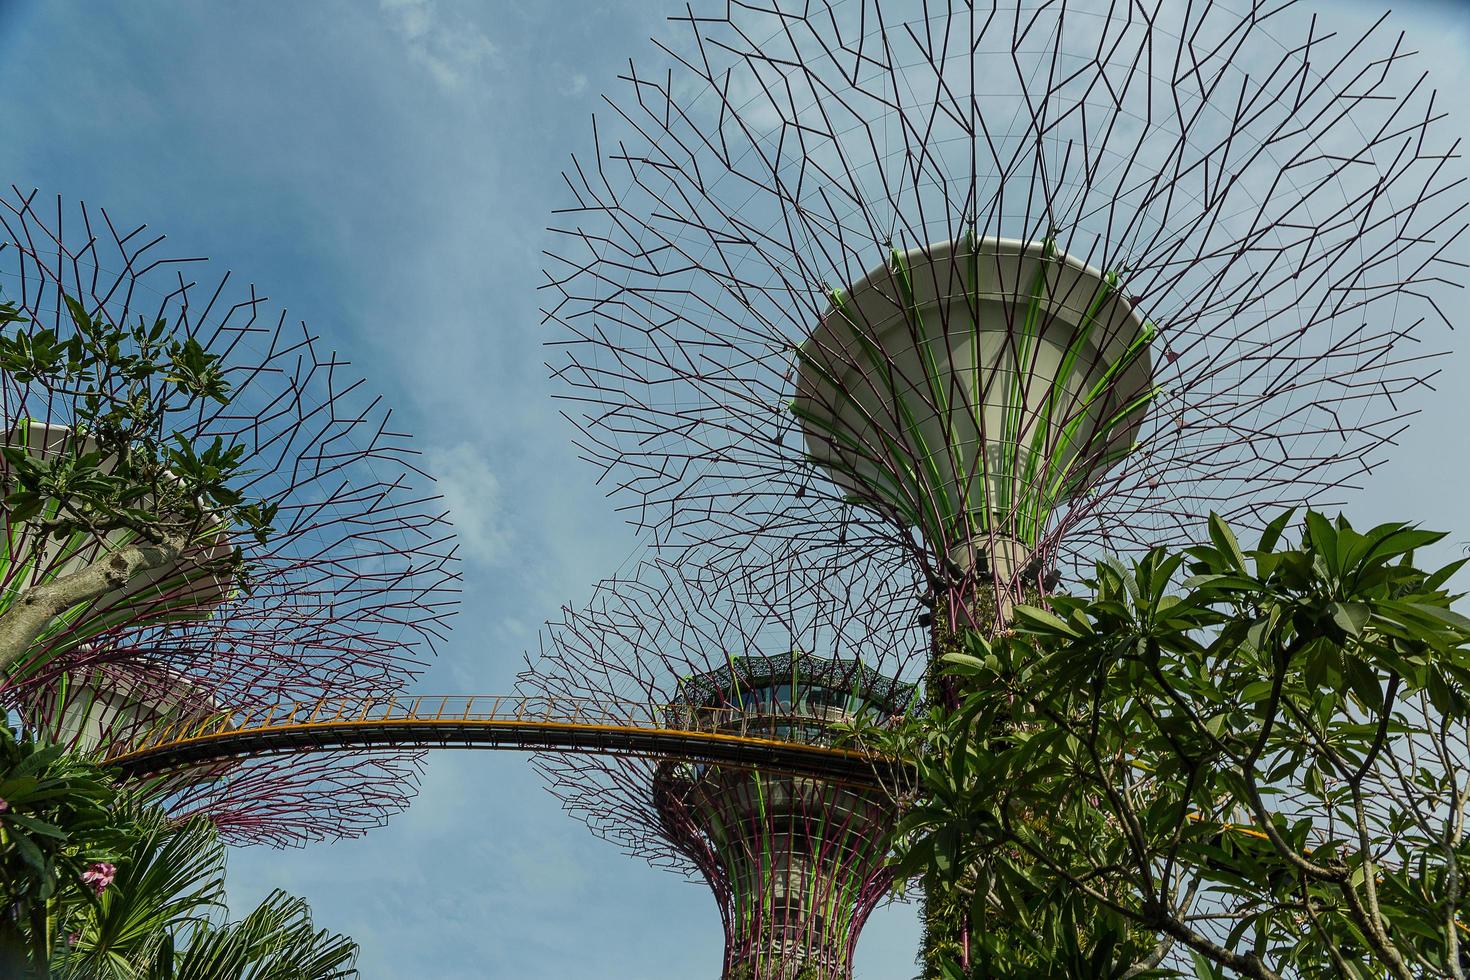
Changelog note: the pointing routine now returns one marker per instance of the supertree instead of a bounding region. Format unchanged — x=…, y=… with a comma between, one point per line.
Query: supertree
x=346, y=594
x=980, y=289
x=1153, y=258
x=795, y=863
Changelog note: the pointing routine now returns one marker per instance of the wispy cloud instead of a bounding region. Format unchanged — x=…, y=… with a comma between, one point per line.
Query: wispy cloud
x=473, y=496
x=452, y=48
x=574, y=84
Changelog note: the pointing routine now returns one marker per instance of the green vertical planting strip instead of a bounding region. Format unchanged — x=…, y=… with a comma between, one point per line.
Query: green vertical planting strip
x=1014, y=411
x=1029, y=475
x=938, y=390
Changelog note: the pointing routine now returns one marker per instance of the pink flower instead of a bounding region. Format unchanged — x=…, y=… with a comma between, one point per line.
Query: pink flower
x=99, y=876
x=4, y=804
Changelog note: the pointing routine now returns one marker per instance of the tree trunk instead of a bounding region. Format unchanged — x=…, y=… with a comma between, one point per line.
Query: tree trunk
x=946, y=922
x=34, y=610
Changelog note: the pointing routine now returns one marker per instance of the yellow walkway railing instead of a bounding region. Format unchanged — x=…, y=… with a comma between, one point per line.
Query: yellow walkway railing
x=725, y=736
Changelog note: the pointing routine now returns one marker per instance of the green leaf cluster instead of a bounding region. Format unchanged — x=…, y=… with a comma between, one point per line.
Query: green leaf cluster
x=163, y=914
x=59, y=817
x=163, y=919
x=128, y=392
x=110, y=459
x=1252, y=761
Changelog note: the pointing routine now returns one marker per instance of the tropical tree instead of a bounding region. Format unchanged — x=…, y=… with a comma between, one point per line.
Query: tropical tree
x=114, y=516
x=60, y=834
x=99, y=488
x=97, y=885
x=1217, y=762
x=276, y=941
x=171, y=877
x=162, y=918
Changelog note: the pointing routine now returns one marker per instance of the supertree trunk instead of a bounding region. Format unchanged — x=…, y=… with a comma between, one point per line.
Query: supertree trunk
x=795, y=863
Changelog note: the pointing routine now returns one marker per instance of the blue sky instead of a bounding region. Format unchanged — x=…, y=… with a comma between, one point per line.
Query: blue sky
x=385, y=170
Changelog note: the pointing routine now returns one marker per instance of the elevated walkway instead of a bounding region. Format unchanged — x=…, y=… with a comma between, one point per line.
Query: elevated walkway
x=536, y=724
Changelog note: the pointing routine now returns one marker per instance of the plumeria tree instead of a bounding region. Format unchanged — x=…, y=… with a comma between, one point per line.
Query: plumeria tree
x=112, y=494
x=1223, y=761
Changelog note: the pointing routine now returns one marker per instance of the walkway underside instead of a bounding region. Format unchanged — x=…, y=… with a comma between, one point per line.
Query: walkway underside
x=502, y=723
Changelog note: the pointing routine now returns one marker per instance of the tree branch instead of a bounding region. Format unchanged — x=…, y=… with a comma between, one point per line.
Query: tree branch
x=35, y=608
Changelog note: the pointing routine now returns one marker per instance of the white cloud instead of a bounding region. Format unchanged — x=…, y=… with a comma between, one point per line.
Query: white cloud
x=473, y=497
x=452, y=48
x=574, y=84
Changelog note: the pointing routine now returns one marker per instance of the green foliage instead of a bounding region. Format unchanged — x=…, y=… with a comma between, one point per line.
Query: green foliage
x=156, y=913
x=106, y=462
x=276, y=941
x=161, y=919
x=124, y=385
x=1248, y=761
x=170, y=878
x=59, y=817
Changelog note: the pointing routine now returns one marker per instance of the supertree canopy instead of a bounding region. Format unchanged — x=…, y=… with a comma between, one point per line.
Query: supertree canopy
x=795, y=863
x=985, y=286
x=346, y=594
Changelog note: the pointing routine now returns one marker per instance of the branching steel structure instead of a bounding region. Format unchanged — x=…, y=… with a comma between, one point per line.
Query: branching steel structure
x=795, y=864
x=860, y=308
x=957, y=294
x=1271, y=200
x=346, y=597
